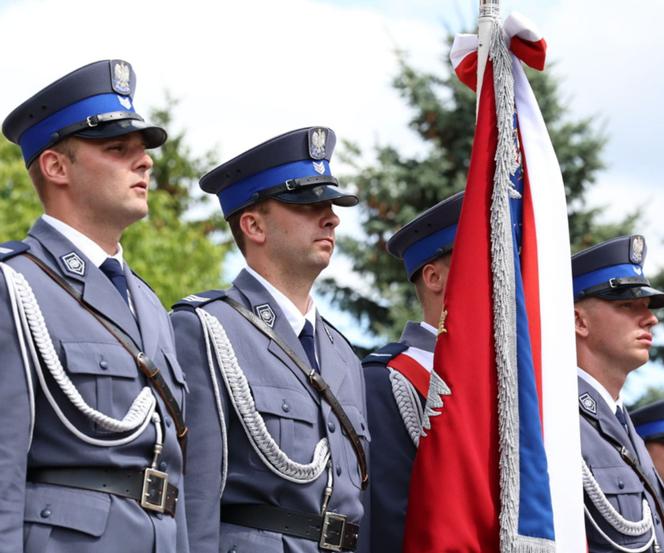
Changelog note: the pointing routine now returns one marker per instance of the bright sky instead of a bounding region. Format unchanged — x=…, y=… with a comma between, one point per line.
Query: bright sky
x=246, y=71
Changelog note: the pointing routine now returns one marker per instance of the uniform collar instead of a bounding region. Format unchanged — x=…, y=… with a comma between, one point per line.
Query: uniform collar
x=93, y=251
x=601, y=390
x=428, y=327
x=291, y=312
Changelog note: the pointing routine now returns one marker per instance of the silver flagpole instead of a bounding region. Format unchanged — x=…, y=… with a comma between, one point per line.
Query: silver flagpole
x=489, y=12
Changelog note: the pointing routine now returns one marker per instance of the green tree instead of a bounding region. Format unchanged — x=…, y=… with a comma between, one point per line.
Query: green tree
x=396, y=187
x=652, y=393
x=178, y=248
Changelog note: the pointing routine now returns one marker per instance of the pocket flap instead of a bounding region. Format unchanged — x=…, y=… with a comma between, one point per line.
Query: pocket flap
x=617, y=480
x=358, y=421
x=176, y=370
x=99, y=358
x=285, y=402
x=79, y=510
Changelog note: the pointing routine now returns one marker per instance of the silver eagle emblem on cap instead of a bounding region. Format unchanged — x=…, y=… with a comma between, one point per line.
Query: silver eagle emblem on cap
x=121, y=77
x=74, y=263
x=317, y=140
x=266, y=314
x=588, y=403
x=637, y=249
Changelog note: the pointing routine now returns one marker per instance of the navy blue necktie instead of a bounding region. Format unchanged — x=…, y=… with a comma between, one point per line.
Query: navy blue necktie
x=307, y=340
x=113, y=270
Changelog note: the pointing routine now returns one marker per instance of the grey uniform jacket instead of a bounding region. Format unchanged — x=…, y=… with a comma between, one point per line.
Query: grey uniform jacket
x=43, y=518
x=617, y=479
x=293, y=412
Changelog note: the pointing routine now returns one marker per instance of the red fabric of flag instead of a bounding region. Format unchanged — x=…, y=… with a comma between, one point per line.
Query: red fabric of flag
x=454, y=492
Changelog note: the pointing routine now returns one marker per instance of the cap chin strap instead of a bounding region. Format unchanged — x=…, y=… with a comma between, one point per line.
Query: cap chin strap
x=92, y=121
x=614, y=283
x=292, y=185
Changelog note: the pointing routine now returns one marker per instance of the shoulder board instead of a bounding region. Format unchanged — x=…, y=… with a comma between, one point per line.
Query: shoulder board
x=385, y=354
x=193, y=301
x=11, y=249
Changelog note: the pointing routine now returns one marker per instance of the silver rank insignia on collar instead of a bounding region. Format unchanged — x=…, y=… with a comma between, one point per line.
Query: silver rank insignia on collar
x=636, y=249
x=317, y=141
x=266, y=314
x=74, y=263
x=588, y=403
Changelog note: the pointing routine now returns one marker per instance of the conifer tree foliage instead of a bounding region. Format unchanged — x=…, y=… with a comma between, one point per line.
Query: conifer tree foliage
x=395, y=187
x=174, y=251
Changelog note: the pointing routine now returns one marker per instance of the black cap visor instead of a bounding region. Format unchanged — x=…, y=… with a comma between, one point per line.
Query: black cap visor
x=316, y=194
x=153, y=136
x=632, y=293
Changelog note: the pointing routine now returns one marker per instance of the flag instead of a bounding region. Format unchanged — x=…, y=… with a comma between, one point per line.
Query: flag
x=498, y=467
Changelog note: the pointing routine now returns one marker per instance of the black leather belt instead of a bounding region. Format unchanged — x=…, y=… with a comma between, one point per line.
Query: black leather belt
x=149, y=487
x=332, y=531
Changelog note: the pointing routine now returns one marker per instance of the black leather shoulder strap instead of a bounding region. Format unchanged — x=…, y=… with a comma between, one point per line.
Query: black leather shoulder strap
x=316, y=381
x=143, y=362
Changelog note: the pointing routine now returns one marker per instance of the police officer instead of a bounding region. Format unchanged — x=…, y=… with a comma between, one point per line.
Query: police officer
x=613, y=323
x=89, y=453
x=277, y=460
x=397, y=375
x=649, y=423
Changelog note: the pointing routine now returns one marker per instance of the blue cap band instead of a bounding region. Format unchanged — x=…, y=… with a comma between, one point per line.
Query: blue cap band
x=593, y=278
x=650, y=429
x=422, y=251
x=241, y=192
x=36, y=138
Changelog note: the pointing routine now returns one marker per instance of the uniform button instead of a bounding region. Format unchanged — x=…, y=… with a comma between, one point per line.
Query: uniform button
x=338, y=470
x=285, y=407
x=331, y=426
x=232, y=550
x=103, y=364
x=621, y=484
x=45, y=513
x=163, y=466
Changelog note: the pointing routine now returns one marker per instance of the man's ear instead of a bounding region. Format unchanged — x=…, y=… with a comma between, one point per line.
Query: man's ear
x=580, y=322
x=252, y=224
x=54, y=166
x=432, y=278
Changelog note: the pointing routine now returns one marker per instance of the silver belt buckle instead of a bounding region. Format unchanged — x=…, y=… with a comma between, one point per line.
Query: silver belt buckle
x=155, y=485
x=336, y=524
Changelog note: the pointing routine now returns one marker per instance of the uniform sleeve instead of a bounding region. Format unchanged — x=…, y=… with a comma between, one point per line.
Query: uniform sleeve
x=202, y=481
x=392, y=453
x=14, y=430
